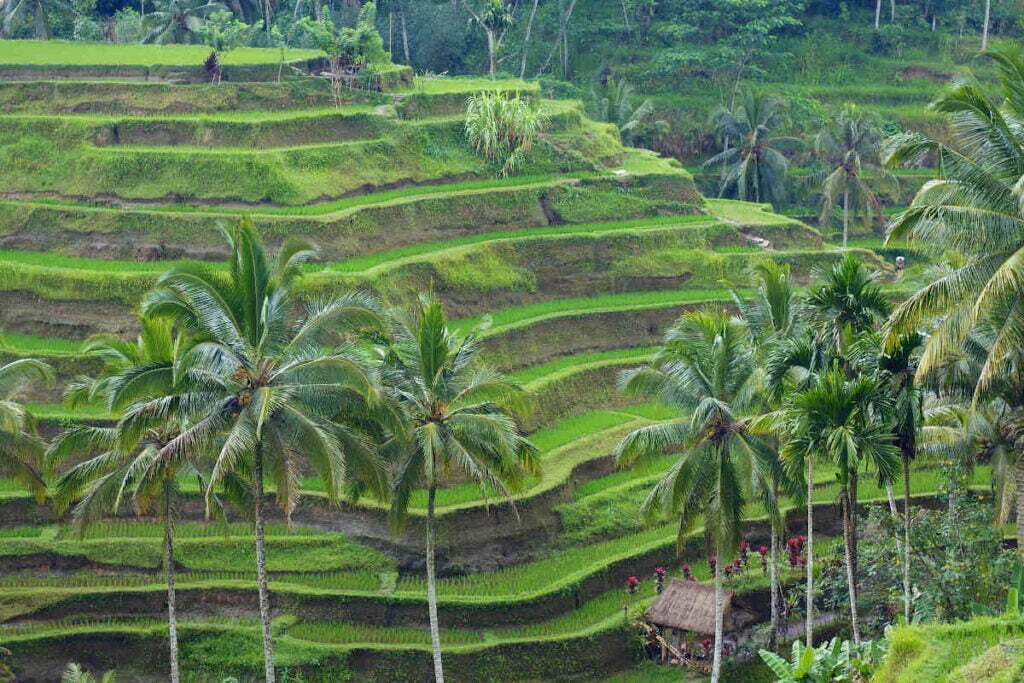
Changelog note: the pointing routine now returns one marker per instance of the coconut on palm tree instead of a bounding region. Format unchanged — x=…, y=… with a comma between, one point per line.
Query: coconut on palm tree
x=459, y=415
x=849, y=143
x=127, y=462
x=282, y=393
x=753, y=164
x=21, y=448
x=974, y=207
x=704, y=370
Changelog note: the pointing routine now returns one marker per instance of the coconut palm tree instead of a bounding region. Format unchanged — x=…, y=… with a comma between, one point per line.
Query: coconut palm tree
x=124, y=461
x=974, y=207
x=849, y=142
x=281, y=393
x=773, y=318
x=847, y=423
x=705, y=368
x=21, y=448
x=755, y=169
x=459, y=415
x=612, y=102
x=175, y=21
x=12, y=11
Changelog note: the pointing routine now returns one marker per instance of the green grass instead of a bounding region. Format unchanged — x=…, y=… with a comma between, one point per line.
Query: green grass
x=510, y=318
x=464, y=84
x=387, y=198
x=746, y=213
x=539, y=373
x=954, y=652
x=59, y=52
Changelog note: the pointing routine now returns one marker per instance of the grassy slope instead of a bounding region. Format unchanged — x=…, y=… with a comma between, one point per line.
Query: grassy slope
x=61, y=52
x=980, y=650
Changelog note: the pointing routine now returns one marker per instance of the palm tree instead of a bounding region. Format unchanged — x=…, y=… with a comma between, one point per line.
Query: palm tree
x=458, y=415
x=755, y=169
x=125, y=460
x=174, y=21
x=14, y=10
x=612, y=102
x=849, y=142
x=772, y=317
x=705, y=368
x=21, y=449
x=280, y=393
x=973, y=207
x=845, y=421
x=846, y=301
x=897, y=369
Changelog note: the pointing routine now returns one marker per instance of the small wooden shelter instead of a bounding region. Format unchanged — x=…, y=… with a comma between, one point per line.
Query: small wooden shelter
x=690, y=606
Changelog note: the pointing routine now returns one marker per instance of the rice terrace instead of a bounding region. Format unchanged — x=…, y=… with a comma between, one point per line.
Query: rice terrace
x=512, y=340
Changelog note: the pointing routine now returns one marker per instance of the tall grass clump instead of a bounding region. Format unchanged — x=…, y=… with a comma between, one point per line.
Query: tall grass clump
x=502, y=128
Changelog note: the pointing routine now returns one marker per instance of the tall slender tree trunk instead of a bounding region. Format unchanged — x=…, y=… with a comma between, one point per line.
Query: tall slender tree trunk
x=405, y=39
x=984, y=28
x=716, y=661
x=846, y=216
x=172, y=617
x=526, y=39
x=809, y=625
x=776, y=590
x=625, y=18
x=490, y=53
x=1018, y=471
x=854, y=536
x=906, y=537
x=851, y=585
x=261, y=566
x=878, y=13
x=892, y=11
x=435, y=630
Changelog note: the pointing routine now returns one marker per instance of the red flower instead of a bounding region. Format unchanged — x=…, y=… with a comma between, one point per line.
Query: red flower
x=763, y=550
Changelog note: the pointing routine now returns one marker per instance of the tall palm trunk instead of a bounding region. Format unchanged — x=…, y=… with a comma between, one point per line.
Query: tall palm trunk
x=848, y=542
x=846, y=216
x=490, y=53
x=435, y=631
x=984, y=28
x=809, y=625
x=716, y=661
x=1018, y=471
x=261, y=566
x=172, y=617
x=906, y=537
x=405, y=39
x=526, y=39
x=776, y=590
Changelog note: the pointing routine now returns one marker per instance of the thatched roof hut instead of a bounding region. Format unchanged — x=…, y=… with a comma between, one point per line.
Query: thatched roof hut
x=690, y=606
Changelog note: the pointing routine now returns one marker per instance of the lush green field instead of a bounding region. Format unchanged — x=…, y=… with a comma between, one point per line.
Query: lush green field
x=59, y=52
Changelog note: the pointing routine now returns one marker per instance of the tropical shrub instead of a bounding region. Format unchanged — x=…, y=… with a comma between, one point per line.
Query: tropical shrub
x=502, y=128
x=829, y=662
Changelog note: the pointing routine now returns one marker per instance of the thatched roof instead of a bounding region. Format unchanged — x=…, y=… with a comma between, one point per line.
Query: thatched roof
x=690, y=606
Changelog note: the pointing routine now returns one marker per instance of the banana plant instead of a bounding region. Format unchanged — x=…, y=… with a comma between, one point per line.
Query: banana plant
x=829, y=662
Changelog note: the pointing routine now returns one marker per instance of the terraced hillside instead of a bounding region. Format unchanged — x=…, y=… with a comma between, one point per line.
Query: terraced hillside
x=578, y=263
